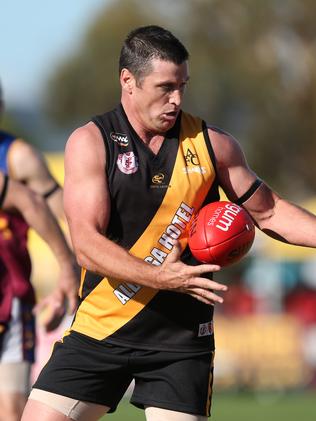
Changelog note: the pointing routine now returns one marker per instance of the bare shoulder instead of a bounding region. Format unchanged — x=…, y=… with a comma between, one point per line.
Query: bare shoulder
x=21, y=150
x=85, y=151
x=221, y=139
x=235, y=175
x=87, y=138
x=226, y=147
x=26, y=163
x=21, y=146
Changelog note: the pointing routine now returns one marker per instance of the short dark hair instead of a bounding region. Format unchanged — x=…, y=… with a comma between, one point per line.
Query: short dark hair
x=146, y=43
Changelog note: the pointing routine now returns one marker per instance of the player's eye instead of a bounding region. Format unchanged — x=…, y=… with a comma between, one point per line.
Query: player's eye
x=166, y=88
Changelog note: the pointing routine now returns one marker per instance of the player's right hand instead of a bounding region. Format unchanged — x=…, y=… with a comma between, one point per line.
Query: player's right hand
x=174, y=275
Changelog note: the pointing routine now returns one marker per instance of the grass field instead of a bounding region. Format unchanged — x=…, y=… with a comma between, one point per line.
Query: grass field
x=243, y=407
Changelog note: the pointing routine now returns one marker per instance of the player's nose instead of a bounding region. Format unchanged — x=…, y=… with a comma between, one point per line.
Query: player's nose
x=176, y=97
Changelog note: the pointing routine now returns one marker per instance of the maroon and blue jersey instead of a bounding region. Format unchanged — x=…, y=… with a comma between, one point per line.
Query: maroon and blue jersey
x=15, y=262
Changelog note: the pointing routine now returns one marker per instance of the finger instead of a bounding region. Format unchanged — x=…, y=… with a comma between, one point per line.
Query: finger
x=48, y=319
x=206, y=296
x=206, y=284
x=37, y=309
x=40, y=306
x=49, y=316
x=205, y=268
x=47, y=307
x=203, y=300
x=54, y=321
x=175, y=253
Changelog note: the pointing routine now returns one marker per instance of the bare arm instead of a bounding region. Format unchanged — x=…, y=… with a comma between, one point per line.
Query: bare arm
x=38, y=215
x=272, y=214
x=87, y=207
x=27, y=165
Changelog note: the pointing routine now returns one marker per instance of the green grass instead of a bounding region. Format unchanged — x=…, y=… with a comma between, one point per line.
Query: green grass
x=264, y=407
x=243, y=407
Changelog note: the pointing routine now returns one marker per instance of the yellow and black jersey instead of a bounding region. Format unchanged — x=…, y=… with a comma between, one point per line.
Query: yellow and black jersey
x=153, y=198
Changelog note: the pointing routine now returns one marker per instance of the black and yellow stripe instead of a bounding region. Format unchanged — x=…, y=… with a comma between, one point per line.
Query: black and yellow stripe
x=101, y=315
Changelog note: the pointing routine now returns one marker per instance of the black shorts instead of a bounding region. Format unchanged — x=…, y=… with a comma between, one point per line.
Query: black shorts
x=85, y=369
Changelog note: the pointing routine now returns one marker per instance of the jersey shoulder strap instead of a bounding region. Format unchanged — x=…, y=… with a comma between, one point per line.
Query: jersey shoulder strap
x=114, y=129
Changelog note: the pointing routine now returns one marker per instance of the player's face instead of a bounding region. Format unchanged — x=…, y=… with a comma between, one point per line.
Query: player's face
x=158, y=97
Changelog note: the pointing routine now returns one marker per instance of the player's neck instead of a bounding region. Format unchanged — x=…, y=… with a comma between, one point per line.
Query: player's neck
x=152, y=139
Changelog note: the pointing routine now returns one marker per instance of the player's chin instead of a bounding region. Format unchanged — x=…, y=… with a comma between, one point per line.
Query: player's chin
x=166, y=124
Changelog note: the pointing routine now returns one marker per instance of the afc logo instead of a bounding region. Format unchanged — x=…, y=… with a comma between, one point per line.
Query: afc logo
x=191, y=158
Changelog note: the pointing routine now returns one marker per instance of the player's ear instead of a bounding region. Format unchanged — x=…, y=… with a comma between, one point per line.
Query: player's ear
x=127, y=80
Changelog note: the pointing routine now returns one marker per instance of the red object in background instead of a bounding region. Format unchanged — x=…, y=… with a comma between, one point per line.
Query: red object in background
x=301, y=303
x=238, y=300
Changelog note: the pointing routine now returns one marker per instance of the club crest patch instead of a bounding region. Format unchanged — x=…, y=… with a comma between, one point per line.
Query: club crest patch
x=127, y=162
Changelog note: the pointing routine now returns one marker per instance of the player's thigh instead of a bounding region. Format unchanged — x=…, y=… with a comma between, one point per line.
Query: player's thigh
x=14, y=388
x=86, y=370
x=15, y=370
x=11, y=406
x=47, y=406
x=160, y=414
x=15, y=378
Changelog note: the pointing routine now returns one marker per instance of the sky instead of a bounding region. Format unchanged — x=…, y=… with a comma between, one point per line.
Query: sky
x=35, y=36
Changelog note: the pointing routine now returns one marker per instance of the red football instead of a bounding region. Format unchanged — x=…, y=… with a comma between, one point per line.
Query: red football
x=221, y=233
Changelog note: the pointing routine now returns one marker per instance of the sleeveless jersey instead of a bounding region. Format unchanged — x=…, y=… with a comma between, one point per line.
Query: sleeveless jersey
x=15, y=263
x=153, y=198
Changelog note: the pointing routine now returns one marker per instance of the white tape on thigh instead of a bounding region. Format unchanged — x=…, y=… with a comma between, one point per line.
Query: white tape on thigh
x=73, y=408
x=160, y=414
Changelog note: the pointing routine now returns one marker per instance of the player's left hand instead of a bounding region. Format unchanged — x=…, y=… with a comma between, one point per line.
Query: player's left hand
x=52, y=309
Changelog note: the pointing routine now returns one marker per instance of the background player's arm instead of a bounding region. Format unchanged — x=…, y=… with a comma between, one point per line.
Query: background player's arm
x=38, y=215
x=275, y=216
x=26, y=164
x=87, y=207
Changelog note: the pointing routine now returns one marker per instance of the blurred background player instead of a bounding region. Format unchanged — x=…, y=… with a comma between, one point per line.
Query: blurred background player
x=23, y=163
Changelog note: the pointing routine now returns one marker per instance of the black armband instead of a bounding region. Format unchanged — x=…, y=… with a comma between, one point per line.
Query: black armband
x=51, y=191
x=254, y=186
x=4, y=189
